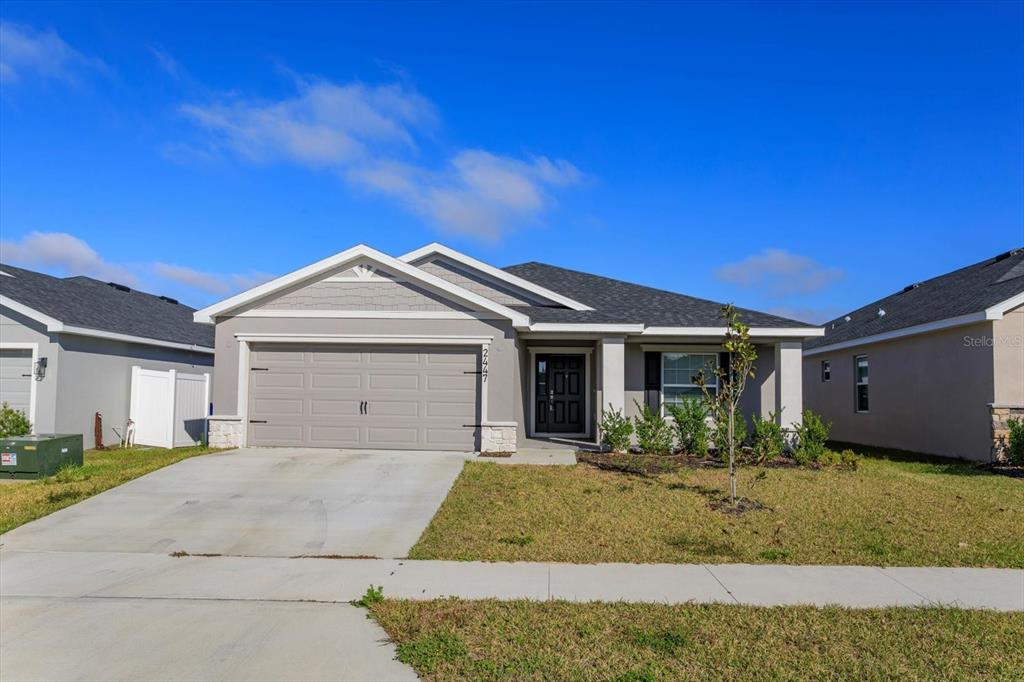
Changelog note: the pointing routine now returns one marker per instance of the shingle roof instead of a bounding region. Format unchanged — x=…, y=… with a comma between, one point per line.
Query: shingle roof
x=968, y=290
x=615, y=301
x=86, y=302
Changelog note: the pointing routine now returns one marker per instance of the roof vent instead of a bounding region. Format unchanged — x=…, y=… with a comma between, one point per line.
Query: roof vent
x=881, y=312
x=119, y=287
x=847, y=318
x=168, y=299
x=910, y=287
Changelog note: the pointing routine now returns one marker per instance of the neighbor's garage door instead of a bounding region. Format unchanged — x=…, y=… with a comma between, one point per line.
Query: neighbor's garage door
x=16, y=379
x=343, y=397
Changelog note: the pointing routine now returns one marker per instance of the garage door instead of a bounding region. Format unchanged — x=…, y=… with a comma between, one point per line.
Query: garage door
x=375, y=397
x=16, y=379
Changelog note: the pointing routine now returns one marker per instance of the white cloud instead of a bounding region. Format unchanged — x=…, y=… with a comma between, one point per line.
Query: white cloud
x=814, y=315
x=779, y=273
x=168, y=63
x=372, y=135
x=26, y=52
x=210, y=283
x=64, y=252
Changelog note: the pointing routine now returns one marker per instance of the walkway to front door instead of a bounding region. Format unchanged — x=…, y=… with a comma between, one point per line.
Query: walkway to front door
x=560, y=394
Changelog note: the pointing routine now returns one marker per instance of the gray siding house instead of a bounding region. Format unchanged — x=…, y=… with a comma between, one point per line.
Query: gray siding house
x=437, y=350
x=67, y=346
x=937, y=367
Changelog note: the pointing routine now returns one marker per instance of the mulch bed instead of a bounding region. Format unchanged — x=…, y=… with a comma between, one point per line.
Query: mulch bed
x=653, y=465
x=1011, y=470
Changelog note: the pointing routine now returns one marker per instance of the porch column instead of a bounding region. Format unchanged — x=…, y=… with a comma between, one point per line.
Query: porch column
x=613, y=374
x=789, y=401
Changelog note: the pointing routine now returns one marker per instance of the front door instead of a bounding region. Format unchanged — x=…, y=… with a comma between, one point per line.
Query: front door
x=560, y=394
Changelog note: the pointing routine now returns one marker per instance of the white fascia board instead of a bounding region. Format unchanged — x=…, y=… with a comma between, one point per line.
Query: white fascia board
x=129, y=338
x=900, y=333
x=586, y=328
x=755, y=332
x=374, y=314
x=52, y=323
x=432, y=282
x=385, y=339
x=492, y=272
x=997, y=311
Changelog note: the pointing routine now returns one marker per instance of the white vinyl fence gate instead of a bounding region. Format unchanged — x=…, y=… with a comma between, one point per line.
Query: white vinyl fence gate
x=169, y=408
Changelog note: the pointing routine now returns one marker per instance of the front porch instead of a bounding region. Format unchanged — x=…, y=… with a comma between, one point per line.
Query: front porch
x=567, y=383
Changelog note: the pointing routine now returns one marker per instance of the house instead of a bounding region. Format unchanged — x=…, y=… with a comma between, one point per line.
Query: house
x=438, y=350
x=937, y=367
x=67, y=346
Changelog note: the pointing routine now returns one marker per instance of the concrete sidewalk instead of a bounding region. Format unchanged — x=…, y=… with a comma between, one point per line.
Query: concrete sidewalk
x=152, y=576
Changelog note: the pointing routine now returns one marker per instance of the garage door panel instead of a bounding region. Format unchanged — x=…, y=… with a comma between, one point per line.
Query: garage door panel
x=16, y=378
x=423, y=398
x=328, y=408
x=333, y=436
x=348, y=380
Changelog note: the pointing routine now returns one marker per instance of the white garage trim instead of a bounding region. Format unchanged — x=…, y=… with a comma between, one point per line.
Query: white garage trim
x=244, y=351
x=34, y=347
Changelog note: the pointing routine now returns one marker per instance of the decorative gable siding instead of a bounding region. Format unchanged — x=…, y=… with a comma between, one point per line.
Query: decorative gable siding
x=371, y=295
x=479, y=285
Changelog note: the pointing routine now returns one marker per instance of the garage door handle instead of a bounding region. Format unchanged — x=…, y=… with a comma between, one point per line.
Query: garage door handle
x=257, y=421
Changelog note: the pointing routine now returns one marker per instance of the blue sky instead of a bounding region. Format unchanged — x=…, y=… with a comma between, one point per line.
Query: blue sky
x=799, y=158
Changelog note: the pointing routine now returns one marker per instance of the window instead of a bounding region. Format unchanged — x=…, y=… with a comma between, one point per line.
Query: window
x=679, y=375
x=861, y=379
x=826, y=371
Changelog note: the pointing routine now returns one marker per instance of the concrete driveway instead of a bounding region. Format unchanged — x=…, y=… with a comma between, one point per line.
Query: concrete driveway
x=55, y=573
x=278, y=502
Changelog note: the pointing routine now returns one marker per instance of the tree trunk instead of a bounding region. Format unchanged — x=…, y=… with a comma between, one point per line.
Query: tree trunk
x=732, y=454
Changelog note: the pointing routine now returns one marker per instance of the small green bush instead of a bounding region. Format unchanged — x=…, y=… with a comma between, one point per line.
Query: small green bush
x=722, y=433
x=616, y=430
x=767, y=441
x=13, y=422
x=811, y=437
x=1015, y=443
x=653, y=434
x=850, y=459
x=691, y=426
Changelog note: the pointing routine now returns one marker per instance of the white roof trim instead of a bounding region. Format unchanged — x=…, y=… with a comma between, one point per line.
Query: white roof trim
x=384, y=339
x=56, y=326
x=994, y=312
x=492, y=272
x=788, y=332
x=586, y=327
x=436, y=284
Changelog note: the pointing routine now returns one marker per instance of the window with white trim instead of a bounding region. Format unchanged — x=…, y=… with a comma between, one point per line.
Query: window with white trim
x=860, y=368
x=679, y=373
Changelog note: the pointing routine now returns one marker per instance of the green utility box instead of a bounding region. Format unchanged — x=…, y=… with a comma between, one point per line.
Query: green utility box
x=38, y=456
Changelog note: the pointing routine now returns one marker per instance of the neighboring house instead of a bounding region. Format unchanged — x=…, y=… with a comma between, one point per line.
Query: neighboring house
x=437, y=350
x=935, y=368
x=67, y=347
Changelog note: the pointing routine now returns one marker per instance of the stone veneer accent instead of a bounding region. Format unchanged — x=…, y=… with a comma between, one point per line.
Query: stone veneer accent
x=1001, y=415
x=498, y=437
x=224, y=431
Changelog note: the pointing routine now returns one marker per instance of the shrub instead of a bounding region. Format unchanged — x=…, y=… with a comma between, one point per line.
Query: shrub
x=1015, y=444
x=691, y=426
x=768, y=441
x=373, y=595
x=653, y=434
x=13, y=422
x=722, y=433
x=616, y=430
x=850, y=459
x=810, y=438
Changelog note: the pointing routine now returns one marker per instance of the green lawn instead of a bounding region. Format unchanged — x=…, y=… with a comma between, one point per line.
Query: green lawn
x=484, y=640
x=21, y=502
x=888, y=512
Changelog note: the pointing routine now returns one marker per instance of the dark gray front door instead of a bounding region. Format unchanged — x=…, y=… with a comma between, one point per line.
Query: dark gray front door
x=560, y=393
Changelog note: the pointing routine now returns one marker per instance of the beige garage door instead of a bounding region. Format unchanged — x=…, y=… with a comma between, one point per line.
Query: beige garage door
x=16, y=379
x=375, y=397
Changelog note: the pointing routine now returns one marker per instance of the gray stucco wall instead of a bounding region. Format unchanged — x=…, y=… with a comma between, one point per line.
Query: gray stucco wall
x=16, y=328
x=95, y=376
x=929, y=393
x=503, y=361
x=1008, y=356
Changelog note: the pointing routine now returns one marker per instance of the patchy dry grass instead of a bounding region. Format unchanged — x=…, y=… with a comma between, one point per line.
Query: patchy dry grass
x=887, y=512
x=491, y=640
x=22, y=502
